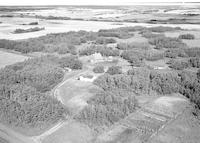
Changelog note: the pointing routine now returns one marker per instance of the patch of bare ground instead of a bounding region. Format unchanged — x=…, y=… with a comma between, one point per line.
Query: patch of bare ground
x=147, y=122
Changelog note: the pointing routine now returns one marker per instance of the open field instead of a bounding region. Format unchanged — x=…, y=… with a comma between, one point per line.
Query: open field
x=74, y=93
x=7, y=58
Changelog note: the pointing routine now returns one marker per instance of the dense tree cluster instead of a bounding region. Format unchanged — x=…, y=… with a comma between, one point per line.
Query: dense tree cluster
x=184, y=63
x=187, y=36
x=107, y=107
x=167, y=42
x=114, y=70
x=24, y=97
x=190, y=86
x=50, y=42
x=132, y=46
x=98, y=69
x=103, y=50
x=192, y=52
x=164, y=83
x=135, y=58
x=122, y=33
x=174, y=53
x=70, y=62
x=132, y=83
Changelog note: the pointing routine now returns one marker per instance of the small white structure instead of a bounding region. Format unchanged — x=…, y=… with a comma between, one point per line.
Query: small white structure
x=96, y=57
x=87, y=78
x=112, y=45
x=158, y=68
x=67, y=69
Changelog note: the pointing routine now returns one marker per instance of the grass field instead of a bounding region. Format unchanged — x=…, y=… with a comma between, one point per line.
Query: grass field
x=10, y=58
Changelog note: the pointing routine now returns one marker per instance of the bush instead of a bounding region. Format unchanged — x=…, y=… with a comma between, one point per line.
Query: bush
x=186, y=36
x=114, y=70
x=98, y=69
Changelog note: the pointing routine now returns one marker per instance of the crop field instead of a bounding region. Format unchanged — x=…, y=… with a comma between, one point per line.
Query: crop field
x=143, y=124
x=10, y=58
x=71, y=132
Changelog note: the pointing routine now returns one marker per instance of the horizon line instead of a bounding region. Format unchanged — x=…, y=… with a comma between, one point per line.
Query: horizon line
x=131, y=4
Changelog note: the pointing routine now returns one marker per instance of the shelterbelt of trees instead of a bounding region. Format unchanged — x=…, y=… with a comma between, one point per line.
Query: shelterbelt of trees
x=25, y=99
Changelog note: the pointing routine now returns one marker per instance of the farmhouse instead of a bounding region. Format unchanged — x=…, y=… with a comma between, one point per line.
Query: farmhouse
x=87, y=78
x=96, y=57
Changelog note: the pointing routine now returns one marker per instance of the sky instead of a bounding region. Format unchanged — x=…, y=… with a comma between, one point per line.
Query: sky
x=83, y=2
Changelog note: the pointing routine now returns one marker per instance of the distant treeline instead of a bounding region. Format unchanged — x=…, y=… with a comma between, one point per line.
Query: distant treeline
x=66, y=42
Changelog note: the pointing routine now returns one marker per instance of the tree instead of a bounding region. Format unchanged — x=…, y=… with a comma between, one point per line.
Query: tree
x=98, y=69
x=114, y=70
